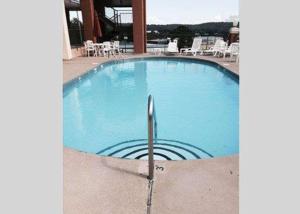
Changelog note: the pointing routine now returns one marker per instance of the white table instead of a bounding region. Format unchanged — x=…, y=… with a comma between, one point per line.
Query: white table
x=98, y=47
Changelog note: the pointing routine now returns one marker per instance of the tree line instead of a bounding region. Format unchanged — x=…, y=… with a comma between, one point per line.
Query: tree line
x=186, y=33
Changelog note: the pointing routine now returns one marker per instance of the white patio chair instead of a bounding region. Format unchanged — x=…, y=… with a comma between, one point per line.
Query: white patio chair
x=89, y=47
x=220, y=48
x=196, y=47
x=172, y=47
x=107, y=49
x=213, y=50
x=233, y=51
x=116, y=47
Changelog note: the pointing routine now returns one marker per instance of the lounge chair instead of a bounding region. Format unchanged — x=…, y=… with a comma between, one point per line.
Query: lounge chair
x=172, y=47
x=196, y=47
x=219, y=45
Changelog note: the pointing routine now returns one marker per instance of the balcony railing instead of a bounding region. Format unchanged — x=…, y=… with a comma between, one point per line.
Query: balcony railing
x=118, y=16
x=185, y=41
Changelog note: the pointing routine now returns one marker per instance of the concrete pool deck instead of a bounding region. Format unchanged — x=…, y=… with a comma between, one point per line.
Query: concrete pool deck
x=95, y=184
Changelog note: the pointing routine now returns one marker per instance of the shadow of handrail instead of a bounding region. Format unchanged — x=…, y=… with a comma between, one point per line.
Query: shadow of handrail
x=107, y=164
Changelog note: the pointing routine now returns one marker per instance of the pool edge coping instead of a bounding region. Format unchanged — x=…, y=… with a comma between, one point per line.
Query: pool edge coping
x=66, y=82
x=145, y=161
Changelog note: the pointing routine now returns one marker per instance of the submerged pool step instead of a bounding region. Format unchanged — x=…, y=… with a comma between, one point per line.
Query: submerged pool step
x=164, y=149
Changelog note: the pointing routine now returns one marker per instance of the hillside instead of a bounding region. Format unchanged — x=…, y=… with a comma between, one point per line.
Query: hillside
x=210, y=28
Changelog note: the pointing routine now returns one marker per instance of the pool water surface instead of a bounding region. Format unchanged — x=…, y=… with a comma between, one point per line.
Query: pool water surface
x=197, y=109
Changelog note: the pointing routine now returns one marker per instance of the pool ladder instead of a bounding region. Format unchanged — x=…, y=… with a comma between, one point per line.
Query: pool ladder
x=152, y=129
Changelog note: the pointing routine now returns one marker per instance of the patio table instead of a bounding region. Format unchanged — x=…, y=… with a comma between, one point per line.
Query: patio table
x=98, y=47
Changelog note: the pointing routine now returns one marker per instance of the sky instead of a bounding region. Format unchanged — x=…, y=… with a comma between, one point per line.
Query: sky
x=186, y=11
x=191, y=11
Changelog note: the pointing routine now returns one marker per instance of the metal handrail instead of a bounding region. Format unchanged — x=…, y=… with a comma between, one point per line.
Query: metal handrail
x=116, y=18
x=151, y=119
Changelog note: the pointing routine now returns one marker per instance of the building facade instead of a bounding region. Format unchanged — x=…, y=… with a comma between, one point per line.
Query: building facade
x=109, y=15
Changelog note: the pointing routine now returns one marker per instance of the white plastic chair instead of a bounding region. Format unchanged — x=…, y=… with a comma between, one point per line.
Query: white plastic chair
x=89, y=47
x=116, y=47
x=196, y=47
x=220, y=48
x=214, y=50
x=107, y=48
x=233, y=50
x=172, y=47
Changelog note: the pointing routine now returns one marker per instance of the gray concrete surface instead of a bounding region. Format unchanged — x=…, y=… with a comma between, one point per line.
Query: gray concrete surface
x=207, y=186
x=102, y=185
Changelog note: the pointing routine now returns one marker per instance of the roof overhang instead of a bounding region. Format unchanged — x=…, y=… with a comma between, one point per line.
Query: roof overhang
x=117, y=3
x=75, y=4
x=72, y=4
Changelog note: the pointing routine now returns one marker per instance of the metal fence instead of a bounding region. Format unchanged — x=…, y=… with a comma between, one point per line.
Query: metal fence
x=162, y=44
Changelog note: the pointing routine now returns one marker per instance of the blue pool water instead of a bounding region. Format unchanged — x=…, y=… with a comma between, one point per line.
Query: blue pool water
x=197, y=102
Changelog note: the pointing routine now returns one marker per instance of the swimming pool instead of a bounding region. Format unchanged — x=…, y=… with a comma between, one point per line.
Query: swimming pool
x=197, y=109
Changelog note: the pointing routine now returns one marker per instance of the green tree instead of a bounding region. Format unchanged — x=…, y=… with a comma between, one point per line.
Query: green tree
x=184, y=35
x=76, y=32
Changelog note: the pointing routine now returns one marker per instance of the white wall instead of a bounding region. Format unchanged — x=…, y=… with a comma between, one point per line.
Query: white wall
x=67, y=53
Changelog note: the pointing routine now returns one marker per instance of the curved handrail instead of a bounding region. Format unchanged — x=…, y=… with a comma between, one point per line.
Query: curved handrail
x=151, y=119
